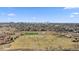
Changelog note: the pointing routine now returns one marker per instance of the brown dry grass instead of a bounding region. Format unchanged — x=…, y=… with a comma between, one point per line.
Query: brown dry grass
x=47, y=41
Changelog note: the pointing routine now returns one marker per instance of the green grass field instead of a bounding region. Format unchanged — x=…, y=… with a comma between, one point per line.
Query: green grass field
x=31, y=33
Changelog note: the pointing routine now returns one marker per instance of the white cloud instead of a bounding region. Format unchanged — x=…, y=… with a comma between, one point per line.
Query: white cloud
x=75, y=14
x=70, y=7
x=11, y=14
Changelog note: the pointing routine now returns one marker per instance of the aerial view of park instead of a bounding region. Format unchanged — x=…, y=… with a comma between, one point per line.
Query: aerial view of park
x=39, y=29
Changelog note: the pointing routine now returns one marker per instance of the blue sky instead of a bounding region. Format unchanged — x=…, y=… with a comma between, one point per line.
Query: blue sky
x=39, y=14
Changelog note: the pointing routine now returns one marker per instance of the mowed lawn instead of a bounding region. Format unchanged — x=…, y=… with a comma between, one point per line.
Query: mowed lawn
x=42, y=42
